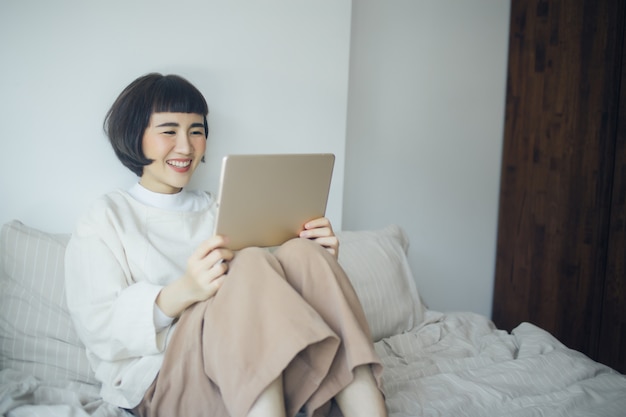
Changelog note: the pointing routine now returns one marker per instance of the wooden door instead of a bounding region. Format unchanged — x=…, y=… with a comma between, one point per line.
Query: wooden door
x=562, y=112
x=612, y=341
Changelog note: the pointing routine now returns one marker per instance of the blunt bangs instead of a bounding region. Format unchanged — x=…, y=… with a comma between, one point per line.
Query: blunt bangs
x=176, y=95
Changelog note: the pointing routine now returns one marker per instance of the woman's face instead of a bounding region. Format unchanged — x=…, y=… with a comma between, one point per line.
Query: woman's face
x=176, y=143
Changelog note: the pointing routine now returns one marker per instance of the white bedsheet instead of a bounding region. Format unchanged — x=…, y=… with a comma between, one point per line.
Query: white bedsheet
x=460, y=365
x=23, y=395
x=451, y=365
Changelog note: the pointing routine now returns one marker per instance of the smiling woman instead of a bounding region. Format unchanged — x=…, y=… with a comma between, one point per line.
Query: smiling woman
x=263, y=333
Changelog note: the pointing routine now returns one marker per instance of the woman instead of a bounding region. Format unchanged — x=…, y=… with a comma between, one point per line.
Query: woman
x=174, y=323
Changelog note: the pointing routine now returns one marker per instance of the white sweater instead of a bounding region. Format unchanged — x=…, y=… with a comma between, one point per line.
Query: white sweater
x=121, y=254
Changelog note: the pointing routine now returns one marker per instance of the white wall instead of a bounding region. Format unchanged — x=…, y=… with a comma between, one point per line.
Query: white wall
x=275, y=74
x=425, y=126
x=424, y=115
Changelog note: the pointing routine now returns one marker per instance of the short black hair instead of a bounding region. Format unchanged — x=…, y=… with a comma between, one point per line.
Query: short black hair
x=129, y=116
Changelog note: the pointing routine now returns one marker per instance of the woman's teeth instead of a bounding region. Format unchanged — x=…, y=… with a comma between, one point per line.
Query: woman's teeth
x=179, y=164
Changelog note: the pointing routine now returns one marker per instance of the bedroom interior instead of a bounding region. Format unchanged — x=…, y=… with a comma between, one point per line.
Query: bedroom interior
x=537, y=324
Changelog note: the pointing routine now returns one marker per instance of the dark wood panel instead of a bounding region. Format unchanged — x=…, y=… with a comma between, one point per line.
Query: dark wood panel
x=557, y=168
x=612, y=349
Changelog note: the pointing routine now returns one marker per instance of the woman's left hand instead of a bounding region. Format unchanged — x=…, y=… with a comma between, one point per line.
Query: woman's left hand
x=321, y=232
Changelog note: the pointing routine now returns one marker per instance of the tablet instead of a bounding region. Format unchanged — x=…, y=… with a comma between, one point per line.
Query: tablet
x=265, y=200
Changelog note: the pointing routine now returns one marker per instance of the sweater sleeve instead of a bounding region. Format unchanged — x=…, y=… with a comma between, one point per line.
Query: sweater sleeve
x=113, y=314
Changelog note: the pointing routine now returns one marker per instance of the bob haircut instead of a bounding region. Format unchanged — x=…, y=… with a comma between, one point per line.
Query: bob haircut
x=128, y=118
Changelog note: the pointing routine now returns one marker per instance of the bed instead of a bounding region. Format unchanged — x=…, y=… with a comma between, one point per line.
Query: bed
x=436, y=364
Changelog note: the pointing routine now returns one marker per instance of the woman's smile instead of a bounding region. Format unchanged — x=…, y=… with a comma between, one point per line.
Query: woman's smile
x=179, y=165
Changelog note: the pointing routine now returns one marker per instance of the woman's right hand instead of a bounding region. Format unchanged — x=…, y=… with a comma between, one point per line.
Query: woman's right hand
x=207, y=266
x=206, y=270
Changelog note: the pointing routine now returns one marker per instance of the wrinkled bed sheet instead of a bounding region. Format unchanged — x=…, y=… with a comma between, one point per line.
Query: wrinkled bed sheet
x=451, y=365
x=461, y=365
x=22, y=395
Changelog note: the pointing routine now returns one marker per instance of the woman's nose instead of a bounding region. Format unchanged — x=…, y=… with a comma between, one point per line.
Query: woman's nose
x=183, y=144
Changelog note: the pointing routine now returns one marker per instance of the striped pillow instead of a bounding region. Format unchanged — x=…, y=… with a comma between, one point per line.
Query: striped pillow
x=377, y=265
x=36, y=332
x=37, y=335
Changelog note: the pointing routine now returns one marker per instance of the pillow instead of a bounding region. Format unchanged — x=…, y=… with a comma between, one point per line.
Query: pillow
x=36, y=332
x=37, y=335
x=377, y=265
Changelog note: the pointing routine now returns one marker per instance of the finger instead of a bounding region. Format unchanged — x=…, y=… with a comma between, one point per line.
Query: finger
x=221, y=266
x=215, y=286
x=208, y=246
x=317, y=233
x=213, y=276
x=215, y=258
x=327, y=241
x=318, y=223
x=331, y=247
x=320, y=227
x=330, y=244
x=221, y=255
